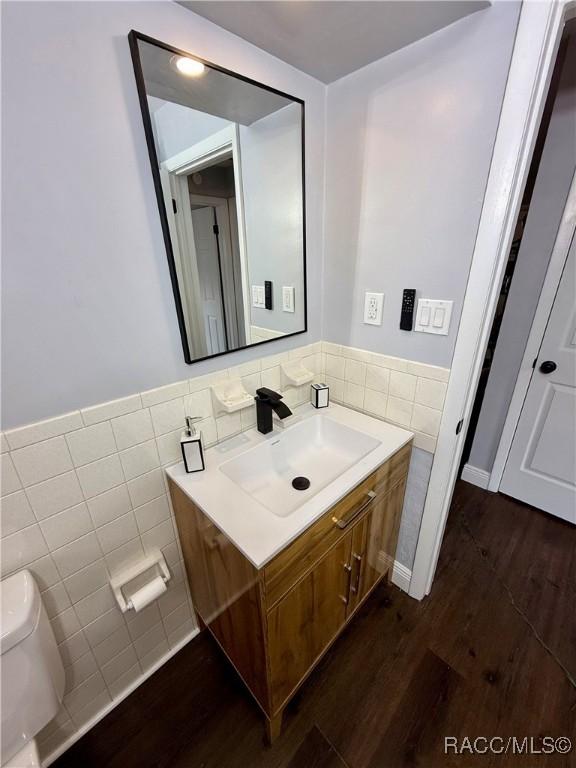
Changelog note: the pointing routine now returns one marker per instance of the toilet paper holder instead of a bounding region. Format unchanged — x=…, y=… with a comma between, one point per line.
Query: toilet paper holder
x=153, y=560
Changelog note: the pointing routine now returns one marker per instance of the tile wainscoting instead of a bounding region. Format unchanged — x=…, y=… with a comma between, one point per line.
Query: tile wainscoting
x=402, y=392
x=84, y=494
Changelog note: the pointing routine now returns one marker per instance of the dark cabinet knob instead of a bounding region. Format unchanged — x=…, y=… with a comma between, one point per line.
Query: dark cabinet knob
x=548, y=366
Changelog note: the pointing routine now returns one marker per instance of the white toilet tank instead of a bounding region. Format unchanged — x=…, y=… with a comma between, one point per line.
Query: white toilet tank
x=32, y=670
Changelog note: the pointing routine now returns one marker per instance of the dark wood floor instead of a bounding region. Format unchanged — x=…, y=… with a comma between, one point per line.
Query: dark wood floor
x=491, y=652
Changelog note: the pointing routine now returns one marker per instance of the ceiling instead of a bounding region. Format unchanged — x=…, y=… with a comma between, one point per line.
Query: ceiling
x=215, y=92
x=330, y=39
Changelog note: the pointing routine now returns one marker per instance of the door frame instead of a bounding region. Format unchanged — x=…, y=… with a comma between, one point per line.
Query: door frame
x=536, y=45
x=186, y=269
x=222, y=211
x=203, y=154
x=566, y=232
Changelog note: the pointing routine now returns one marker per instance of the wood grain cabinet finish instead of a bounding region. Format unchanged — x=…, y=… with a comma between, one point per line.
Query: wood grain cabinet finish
x=275, y=623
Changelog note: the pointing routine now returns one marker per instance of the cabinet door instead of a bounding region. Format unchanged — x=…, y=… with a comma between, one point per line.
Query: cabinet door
x=225, y=591
x=307, y=619
x=374, y=541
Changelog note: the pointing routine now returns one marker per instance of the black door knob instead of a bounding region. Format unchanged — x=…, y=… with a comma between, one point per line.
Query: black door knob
x=548, y=366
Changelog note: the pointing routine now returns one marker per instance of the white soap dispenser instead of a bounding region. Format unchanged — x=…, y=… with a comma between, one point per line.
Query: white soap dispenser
x=191, y=444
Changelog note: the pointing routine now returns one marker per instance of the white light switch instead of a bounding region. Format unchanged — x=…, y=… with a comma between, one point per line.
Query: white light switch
x=258, y=296
x=433, y=316
x=439, y=315
x=288, y=298
x=373, y=303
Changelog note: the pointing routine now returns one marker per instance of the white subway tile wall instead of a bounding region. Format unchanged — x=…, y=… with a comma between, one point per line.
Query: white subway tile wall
x=84, y=495
x=400, y=391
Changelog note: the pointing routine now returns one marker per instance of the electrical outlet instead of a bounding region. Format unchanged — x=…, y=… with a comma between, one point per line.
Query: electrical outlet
x=373, y=304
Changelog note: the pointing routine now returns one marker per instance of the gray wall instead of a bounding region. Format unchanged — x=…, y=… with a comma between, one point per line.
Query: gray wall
x=555, y=174
x=409, y=145
x=271, y=151
x=87, y=307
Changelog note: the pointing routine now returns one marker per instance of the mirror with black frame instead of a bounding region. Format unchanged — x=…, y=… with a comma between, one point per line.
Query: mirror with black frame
x=228, y=165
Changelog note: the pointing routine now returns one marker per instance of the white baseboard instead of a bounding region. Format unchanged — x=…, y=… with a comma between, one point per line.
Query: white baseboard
x=476, y=476
x=401, y=576
x=109, y=707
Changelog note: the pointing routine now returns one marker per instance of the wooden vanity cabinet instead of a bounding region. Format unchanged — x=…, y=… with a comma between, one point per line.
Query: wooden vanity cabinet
x=275, y=623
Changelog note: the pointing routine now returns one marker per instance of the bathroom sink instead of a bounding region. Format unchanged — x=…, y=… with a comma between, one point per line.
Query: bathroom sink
x=246, y=488
x=318, y=449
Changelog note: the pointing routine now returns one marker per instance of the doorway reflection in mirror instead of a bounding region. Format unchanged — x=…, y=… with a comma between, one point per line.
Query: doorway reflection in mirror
x=229, y=166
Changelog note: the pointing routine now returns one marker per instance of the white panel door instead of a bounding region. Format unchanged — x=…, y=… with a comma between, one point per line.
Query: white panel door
x=541, y=465
x=203, y=221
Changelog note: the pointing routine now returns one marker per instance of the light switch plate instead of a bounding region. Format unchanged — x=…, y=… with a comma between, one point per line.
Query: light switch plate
x=288, y=298
x=433, y=316
x=373, y=304
x=258, y=296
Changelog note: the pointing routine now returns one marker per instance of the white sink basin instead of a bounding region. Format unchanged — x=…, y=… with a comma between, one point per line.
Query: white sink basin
x=319, y=449
x=246, y=488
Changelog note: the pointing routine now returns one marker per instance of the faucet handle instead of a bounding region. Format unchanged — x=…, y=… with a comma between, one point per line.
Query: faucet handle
x=266, y=394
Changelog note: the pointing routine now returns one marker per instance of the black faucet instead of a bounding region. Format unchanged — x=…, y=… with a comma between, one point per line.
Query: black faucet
x=267, y=401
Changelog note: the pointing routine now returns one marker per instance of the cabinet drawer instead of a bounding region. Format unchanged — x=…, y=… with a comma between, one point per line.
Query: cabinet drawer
x=286, y=568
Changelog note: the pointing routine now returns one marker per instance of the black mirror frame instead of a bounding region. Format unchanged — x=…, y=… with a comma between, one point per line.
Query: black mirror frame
x=133, y=38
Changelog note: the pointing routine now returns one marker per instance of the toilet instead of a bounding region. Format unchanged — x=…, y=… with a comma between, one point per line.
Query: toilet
x=32, y=670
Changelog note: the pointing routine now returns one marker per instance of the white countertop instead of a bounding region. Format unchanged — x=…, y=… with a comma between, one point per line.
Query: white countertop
x=256, y=531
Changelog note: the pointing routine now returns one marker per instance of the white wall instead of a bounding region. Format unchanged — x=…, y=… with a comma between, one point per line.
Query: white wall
x=177, y=128
x=409, y=145
x=555, y=173
x=272, y=181
x=87, y=307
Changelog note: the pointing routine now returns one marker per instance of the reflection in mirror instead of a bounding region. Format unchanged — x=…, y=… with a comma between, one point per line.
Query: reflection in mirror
x=228, y=167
